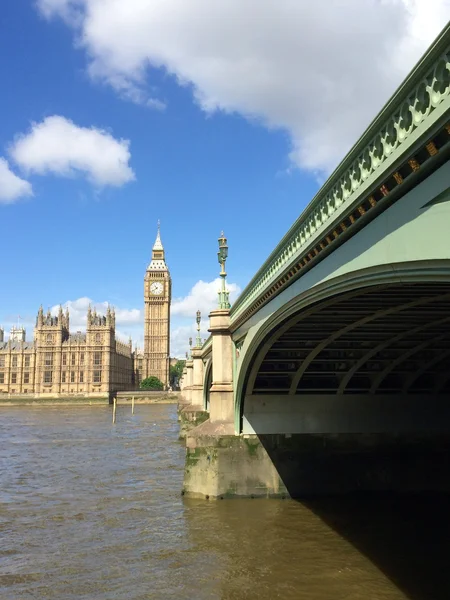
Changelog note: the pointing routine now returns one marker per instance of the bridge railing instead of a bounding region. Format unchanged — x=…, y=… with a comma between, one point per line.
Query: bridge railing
x=422, y=100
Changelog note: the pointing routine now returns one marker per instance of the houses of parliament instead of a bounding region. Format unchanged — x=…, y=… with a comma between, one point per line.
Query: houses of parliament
x=58, y=363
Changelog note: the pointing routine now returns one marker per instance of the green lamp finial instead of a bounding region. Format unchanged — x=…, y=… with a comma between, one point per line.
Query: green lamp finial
x=198, y=341
x=224, y=295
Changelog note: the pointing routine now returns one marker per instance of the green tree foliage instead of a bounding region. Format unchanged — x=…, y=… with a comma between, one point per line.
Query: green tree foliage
x=175, y=372
x=152, y=383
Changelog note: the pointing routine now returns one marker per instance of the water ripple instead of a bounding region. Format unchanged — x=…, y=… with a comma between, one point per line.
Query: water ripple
x=92, y=511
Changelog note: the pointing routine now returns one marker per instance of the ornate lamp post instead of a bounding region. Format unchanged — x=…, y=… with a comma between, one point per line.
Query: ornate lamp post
x=198, y=341
x=224, y=295
x=190, y=347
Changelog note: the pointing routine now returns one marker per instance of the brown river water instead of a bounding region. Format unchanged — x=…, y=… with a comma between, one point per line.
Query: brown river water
x=93, y=511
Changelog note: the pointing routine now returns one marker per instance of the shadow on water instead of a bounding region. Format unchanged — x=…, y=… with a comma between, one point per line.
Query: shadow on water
x=402, y=530
x=405, y=535
x=354, y=546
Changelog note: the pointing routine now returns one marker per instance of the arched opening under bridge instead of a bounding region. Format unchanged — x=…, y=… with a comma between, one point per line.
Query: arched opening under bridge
x=207, y=383
x=354, y=386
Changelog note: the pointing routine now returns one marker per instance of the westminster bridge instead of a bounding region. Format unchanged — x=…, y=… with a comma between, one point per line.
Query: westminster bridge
x=331, y=372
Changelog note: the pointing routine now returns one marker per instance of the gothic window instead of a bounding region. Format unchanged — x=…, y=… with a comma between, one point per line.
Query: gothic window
x=63, y=377
x=81, y=377
x=97, y=358
x=2, y=361
x=82, y=358
x=27, y=361
x=97, y=337
x=14, y=361
x=72, y=359
x=2, y=378
x=72, y=376
x=26, y=378
x=97, y=376
x=13, y=377
x=49, y=337
x=47, y=376
x=48, y=359
x=64, y=359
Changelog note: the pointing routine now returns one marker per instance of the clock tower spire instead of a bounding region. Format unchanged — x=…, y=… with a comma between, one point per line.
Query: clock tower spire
x=157, y=297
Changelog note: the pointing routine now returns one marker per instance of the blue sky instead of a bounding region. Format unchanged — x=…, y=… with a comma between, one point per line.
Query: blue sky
x=207, y=119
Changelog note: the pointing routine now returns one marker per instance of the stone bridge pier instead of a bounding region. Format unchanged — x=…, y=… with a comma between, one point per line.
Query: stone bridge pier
x=213, y=451
x=191, y=411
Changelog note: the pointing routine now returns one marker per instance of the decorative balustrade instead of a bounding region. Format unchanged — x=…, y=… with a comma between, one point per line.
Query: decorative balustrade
x=422, y=101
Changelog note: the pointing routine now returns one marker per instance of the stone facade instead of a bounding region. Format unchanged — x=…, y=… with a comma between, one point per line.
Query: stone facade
x=92, y=364
x=58, y=363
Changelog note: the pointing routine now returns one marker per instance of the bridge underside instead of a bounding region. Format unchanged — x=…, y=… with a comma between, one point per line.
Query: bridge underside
x=393, y=339
x=352, y=393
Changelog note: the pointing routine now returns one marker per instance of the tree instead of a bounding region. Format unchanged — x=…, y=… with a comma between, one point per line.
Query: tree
x=152, y=383
x=176, y=372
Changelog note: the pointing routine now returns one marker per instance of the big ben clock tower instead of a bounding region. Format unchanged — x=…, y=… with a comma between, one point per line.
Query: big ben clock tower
x=157, y=296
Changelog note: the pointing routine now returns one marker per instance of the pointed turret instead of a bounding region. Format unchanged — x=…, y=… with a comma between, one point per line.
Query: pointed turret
x=40, y=317
x=158, y=259
x=158, y=244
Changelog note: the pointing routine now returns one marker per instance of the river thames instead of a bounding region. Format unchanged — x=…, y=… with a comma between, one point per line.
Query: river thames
x=93, y=511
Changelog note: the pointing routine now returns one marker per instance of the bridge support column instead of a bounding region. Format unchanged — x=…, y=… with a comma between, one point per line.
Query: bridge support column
x=185, y=396
x=193, y=414
x=197, y=378
x=221, y=393
x=187, y=383
x=182, y=382
x=217, y=460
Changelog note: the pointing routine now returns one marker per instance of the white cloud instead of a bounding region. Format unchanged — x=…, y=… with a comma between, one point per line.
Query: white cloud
x=320, y=70
x=179, y=338
x=58, y=146
x=12, y=187
x=156, y=104
x=69, y=10
x=202, y=297
x=129, y=322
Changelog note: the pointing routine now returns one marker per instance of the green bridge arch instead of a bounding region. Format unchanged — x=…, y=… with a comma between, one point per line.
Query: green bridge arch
x=434, y=274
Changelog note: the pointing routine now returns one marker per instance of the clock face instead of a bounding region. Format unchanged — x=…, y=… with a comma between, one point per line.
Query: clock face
x=156, y=288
